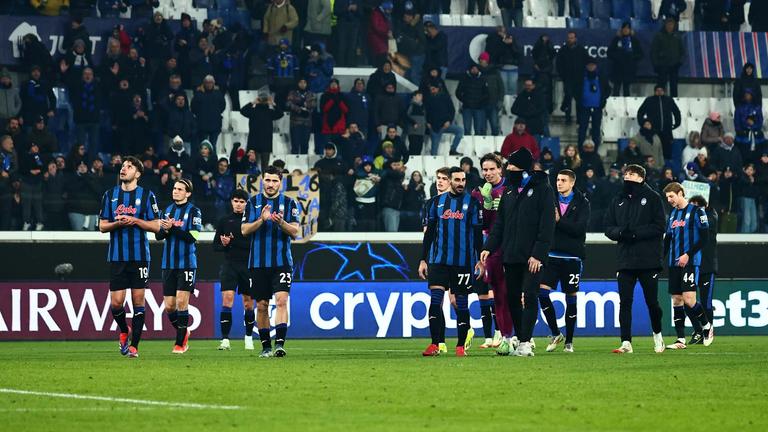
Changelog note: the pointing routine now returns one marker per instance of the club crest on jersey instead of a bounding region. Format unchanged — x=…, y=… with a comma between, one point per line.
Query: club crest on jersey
x=448, y=214
x=197, y=221
x=122, y=209
x=295, y=212
x=281, y=208
x=530, y=192
x=465, y=207
x=703, y=219
x=643, y=201
x=138, y=201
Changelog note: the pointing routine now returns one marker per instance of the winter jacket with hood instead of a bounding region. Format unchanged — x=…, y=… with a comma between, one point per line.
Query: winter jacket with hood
x=667, y=49
x=208, y=106
x=745, y=83
x=661, y=111
x=531, y=107
x=10, y=101
x=649, y=144
x=711, y=133
x=260, y=122
x=319, y=17
x=473, y=91
x=625, y=53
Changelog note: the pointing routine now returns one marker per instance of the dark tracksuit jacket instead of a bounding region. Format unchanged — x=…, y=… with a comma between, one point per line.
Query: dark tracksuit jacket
x=571, y=230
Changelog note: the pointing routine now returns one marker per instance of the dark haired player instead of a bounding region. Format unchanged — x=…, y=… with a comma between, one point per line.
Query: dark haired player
x=271, y=222
x=128, y=211
x=491, y=289
x=687, y=234
x=565, y=265
x=708, y=261
x=180, y=229
x=234, y=271
x=453, y=238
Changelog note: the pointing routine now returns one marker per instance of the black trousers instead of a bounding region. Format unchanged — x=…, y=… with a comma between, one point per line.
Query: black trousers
x=668, y=74
x=666, y=138
x=649, y=282
x=522, y=283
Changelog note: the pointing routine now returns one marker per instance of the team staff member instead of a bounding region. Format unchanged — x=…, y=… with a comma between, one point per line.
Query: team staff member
x=572, y=213
x=128, y=212
x=708, y=261
x=271, y=222
x=180, y=229
x=453, y=238
x=234, y=271
x=524, y=228
x=636, y=221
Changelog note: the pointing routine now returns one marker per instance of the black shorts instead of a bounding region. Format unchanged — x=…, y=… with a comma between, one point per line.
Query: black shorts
x=454, y=278
x=128, y=274
x=565, y=271
x=266, y=281
x=235, y=275
x=683, y=279
x=178, y=280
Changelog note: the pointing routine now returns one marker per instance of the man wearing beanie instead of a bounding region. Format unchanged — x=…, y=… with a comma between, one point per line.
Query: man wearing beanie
x=523, y=230
x=636, y=221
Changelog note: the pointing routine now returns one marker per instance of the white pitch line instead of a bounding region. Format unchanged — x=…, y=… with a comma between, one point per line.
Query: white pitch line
x=92, y=409
x=121, y=400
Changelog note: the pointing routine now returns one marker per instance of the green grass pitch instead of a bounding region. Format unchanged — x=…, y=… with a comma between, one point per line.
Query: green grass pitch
x=353, y=385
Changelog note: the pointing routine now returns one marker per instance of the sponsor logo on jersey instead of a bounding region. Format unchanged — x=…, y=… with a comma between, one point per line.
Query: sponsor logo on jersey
x=122, y=209
x=678, y=224
x=448, y=214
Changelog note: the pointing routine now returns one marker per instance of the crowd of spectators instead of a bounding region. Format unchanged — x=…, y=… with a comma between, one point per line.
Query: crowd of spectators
x=59, y=151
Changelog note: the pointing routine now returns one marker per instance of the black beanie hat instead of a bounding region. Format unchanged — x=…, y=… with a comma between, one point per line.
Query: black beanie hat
x=521, y=158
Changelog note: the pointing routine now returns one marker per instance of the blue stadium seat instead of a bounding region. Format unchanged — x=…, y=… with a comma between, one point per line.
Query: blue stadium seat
x=226, y=4
x=213, y=13
x=552, y=143
x=585, y=6
x=617, y=22
x=205, y=4
x=601, y=9
x=622, y=9
x=639, y=25
x=434, y=18
x=642, y=9
x=575, y=23
x=677, y=156
x=599, y=24
x=622, y=143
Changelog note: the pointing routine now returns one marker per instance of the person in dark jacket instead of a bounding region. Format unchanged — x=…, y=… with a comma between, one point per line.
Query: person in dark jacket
x=76, y=30
x=181, y=122
x=631, y=155
x=715, y=15
x=543, y=68
x=747, y=82
x=379, y=79
x=86, y=99
x=359, y=103
x=413, y=202
x=301, y=103
x=158, y=39
x=512, y=12
x=34, y=53
x=400, y=151
x=472, y=92
x=436, y=54
x=523, y=230
x=412, y=42
x=531, y=107
x=605, y=190
x=391, y=192
x=565, y=265
x=440, y=113
x=667, y=52
x=208, y=106
x=571, y=60
x=636, y=221
x=334, y=112
x=388, y=110
x=664, y=115
x=349, y=19
x=37, y=98
x=625, y=54
x=496, y=92
x=591, y=98
x=748, y=122
x=82, y=192
x=709, y=262
x=672, y=9
x=505, y=53
x=31, y=168
x=726, y=154
x=45, y=139
x=261, y=114
x=54, y=205
x=758, y=16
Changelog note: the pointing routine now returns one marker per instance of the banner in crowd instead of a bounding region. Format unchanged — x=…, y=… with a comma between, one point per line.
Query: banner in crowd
x=708, y=54
x=304, y=188
x=51, y=30
x=81, y=310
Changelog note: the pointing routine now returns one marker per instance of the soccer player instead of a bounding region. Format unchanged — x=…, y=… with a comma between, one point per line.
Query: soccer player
x=708, y=260
x=687, y=233
x=128, y=211
x=635, y=219
x=523, y=231
x=451, y=242
x=234, y=271
x=271, y=221
x=572, y=213
x=492, y=287
x=180, y=229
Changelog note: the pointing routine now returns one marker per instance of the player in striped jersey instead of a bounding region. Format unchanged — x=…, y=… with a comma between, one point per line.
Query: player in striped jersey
x=687, y=233
x=453, y=238
x=271, y=220
x=180, y=229
x=128, y=211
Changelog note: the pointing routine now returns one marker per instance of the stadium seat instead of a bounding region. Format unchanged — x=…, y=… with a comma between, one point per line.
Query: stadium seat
x=226, y=4
x=238, y=123
x=198, y=16
x=293, y=162
x=541, y=8
x=484, y=145
x=555, y=22
x=415, y=163
x=631, y=128
x=622, y=9
x=601, y=9
x=633, y=104
x=599, y=24
x=471, y=20
x=642, y=9
x=696, y=107
x=246, y=96
x=612, y=128
x=535, y=22
x=552, y=143
x=724, y=106
x=585, y=6
x=280, y=143
x=616, y=23
x=677, y=154
x=453, y=161
x=433, y=163
x=434, y=18
x=695, y=124
x=682, y=104
x=622, y=143
x=224, y=144
x=682, y=131
x=490, y=21
x=615, y=107
x=203, y=3
x=576, y=23
x=642, y=25
x=447, y=20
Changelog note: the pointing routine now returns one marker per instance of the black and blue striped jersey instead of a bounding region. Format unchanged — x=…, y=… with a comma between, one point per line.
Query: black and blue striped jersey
x=128, y=243
x=687, y=231
x=452, y=221
x=270, y=245
x=180, y=249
